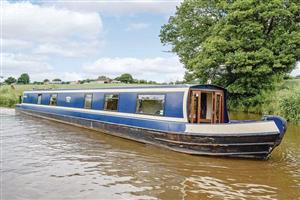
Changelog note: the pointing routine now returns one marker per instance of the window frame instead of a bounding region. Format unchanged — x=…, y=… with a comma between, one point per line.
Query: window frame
x=84, y=103
x=41, y=96
x=105, y=94
x=164, y=104
x=51, y=97
x=24, y=97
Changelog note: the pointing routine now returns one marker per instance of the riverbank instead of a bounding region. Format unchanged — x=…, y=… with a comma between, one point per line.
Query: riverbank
x=284, y=101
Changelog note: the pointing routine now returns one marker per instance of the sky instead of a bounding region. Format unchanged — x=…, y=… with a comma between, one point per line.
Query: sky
x=74, y=40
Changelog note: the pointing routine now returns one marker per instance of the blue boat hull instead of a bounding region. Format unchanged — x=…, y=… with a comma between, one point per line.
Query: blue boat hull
x=169, y=135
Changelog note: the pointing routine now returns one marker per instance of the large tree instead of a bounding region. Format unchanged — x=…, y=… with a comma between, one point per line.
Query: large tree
x=125, y=78
x=10, y=80
x=243, y=45
x=24, y=79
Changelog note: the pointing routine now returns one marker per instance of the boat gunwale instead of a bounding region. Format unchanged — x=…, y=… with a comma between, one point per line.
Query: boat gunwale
x=163, y=131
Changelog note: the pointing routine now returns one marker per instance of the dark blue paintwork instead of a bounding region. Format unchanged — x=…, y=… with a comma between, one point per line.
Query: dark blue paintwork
x=31, y=98
x=98, y=101
x=279, y=121
x=45, y=99
x=77, y=100
x=173, y=104
x=127, y=102
x=136, y=122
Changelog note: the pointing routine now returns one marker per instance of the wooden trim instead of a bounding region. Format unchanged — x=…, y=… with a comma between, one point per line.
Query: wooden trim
x=213, y=108
x=199, y=107
x=205, y=120
x=192, y=107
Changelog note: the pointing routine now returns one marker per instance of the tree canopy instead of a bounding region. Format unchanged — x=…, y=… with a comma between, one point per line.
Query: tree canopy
x=10, y=80
x=243, y=45
x=125, y=78
x=24, y=79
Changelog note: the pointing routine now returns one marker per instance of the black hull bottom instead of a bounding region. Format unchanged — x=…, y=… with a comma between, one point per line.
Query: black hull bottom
x=256, y=146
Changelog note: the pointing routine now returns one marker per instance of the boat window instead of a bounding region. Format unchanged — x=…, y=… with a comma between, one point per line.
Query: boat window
x=24, y=98
x=39, y=99
x=88, y=101
x=150, y=104
x=53, y=100
x=111, y=102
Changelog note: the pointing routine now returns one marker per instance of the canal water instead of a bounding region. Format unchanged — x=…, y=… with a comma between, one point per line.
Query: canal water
x=47, y=160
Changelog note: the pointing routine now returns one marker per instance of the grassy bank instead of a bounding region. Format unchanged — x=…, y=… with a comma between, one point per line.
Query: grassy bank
x=284, y=101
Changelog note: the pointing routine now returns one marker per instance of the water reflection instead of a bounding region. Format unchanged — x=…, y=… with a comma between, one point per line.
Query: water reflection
x=44, y=160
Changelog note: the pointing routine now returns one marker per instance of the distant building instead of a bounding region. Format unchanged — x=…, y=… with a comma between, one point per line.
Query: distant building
x=115, y=81
x=74, y=82
x=102, y=80
x=56, y=82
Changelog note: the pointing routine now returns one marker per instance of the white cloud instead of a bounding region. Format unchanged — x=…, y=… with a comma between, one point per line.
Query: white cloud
x=120, y=7
x=15, y=44
x=15, y=64
x=34, y=35
x=158, y=69
x=33, y=22
x=296, y=71
x=50, y=30
x=137, y=26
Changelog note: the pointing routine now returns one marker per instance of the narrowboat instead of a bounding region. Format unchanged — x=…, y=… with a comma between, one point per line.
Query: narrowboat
x=191, y=119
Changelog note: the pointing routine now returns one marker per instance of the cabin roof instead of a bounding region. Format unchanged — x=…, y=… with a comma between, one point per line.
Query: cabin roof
x=200, y=86
x=121, y=87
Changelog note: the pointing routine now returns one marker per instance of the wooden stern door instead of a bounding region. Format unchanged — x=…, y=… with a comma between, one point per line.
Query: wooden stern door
x=206, y=106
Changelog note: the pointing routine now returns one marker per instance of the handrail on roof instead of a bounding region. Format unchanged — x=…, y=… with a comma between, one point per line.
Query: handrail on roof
x=204, y=86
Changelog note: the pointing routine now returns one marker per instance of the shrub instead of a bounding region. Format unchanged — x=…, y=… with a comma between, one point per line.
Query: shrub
x=290, y=107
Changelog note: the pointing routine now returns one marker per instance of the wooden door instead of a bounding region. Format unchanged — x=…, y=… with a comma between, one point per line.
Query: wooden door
x=206, y=106
x=218, y=107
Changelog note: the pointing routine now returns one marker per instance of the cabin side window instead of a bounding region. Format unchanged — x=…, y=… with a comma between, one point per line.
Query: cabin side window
x=53, y=100
x=111, y=102
x=88, y=98
x=150, y=104
x=24, y=99
x=39, y=99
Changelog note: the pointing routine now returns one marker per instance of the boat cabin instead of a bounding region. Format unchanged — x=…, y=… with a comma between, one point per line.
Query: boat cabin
x=185, y=103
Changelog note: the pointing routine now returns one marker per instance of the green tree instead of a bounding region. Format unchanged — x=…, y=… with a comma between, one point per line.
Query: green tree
x=56, y=79
x=46, y=81
x=125, y=78
x=10, y=80
x=243, y=45
x=24, y=79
